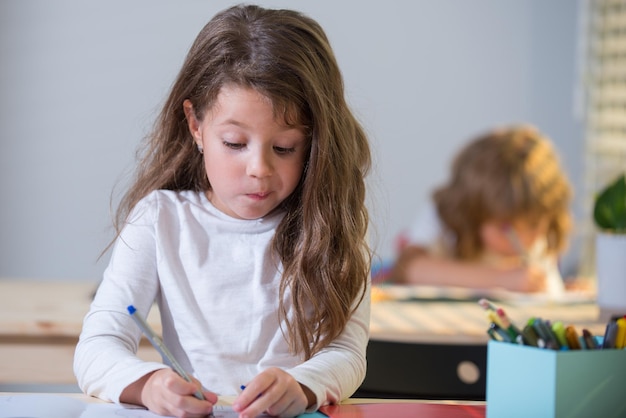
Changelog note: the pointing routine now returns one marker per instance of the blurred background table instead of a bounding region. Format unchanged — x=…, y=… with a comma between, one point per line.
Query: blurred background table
x=424, y=349
x=431, y=343
x=40, y=322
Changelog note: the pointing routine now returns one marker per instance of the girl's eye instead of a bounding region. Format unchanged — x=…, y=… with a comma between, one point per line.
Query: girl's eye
x=233, y=145
x=282, y=150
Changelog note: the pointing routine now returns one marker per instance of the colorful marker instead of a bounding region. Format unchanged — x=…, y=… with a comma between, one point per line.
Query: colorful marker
x=531, y=337
x=494, y=318
x=501, y=332
x=571, y=336
x=559, y=331
x=620, y=337
x=488, y=306
x=513, y=331
x=545, y=333
x=610, y=334
x=589, y=340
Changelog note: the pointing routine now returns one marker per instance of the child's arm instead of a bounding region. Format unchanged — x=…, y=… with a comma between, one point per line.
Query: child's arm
x=105, y=361
x=336, y=372
x=416, y=266
x=332, y=375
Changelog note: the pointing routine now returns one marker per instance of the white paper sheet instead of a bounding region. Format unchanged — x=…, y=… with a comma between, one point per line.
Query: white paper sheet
x=58, y=406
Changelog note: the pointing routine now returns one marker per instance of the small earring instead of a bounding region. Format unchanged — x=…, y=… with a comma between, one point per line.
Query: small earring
x=200, y=149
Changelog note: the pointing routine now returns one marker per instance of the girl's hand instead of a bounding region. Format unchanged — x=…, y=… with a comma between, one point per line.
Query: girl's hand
x=274, y=392
x=581, y=285
x=164, y=392
x=403, y=264
x=525, y=279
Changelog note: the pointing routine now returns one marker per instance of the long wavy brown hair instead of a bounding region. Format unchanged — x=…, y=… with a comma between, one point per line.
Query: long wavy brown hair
x=321, y=242
x=506, y=174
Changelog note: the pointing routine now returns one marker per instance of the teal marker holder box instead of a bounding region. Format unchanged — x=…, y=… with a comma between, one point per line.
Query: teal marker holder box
x=525, y=381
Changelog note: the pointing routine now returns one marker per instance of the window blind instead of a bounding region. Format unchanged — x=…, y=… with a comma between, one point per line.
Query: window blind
x=604, y=89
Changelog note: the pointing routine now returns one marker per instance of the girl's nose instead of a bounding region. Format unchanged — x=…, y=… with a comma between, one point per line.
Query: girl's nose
x=260, y=165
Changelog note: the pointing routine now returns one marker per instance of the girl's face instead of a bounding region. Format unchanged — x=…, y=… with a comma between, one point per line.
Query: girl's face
x=253, y=161
x=512, y=238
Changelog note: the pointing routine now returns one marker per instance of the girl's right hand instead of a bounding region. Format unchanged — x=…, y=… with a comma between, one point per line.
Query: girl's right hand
x=164, y=392
x=526, y=279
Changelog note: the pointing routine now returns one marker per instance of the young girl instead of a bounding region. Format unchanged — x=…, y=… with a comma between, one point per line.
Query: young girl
x=500, y=221
x=246, y=224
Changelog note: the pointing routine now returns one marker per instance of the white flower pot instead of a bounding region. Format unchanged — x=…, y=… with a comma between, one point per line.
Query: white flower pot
x=611, y=273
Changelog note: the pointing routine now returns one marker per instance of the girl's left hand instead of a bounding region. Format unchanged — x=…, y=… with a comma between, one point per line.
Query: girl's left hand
x=581, y=285
x=274, y=392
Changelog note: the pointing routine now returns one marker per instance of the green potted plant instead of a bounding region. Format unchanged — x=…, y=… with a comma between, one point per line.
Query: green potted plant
x=609, y=211
x=609, y=214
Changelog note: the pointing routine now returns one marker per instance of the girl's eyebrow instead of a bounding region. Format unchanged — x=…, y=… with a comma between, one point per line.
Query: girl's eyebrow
x=240, y=124
x=234, y=122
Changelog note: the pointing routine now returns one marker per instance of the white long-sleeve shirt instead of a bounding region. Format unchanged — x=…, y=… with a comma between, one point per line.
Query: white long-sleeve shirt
x=216, y=286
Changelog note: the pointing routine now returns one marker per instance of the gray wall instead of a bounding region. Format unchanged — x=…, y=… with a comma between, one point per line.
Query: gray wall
x=81, y=81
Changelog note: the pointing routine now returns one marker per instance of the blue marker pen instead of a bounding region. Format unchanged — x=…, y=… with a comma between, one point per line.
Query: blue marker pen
x=161, y=348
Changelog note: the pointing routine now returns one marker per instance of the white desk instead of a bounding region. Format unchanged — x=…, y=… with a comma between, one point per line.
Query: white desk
x=73, y=405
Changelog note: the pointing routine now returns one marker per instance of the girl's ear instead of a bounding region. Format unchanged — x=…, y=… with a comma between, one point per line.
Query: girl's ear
x=192, y=122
